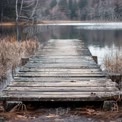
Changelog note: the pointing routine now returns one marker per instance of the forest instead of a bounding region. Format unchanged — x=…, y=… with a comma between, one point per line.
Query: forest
x=98, y=10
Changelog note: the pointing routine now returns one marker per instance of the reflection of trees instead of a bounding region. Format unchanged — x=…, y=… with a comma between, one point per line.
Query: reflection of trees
x=92, y=37
x=103, y=37
x=7, y=30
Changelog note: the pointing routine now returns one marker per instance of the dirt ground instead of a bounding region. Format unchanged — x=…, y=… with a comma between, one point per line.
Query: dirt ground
x=37, y=113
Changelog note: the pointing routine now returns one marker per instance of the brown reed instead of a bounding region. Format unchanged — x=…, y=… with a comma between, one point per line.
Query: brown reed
x=11, y=52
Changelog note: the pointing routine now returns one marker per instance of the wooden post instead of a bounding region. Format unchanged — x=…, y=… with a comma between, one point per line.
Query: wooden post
x=110, y=106
x=8, y=105
x=115, y=77
x=95, y=59
x=24, y=61
x=2, y=119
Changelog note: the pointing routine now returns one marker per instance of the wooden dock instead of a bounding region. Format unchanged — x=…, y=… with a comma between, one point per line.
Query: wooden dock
x=62, y=70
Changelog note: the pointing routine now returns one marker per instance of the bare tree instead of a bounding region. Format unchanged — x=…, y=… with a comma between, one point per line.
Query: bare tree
x=17, y=15
x=21, y=6
x=26, y=10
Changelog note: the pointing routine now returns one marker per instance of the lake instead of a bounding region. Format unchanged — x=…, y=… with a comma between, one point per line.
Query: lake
x=101, y=40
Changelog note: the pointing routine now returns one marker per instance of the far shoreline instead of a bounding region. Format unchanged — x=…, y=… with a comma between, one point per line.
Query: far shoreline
x=45, y=22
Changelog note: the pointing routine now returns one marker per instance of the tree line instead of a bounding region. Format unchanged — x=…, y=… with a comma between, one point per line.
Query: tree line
x=61, y=9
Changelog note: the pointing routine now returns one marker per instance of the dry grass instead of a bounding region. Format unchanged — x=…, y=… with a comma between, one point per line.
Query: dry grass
x=12, y=51
x=113, y=63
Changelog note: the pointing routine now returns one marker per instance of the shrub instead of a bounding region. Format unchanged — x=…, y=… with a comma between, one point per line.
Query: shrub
x=12, y=51
x=113, y=63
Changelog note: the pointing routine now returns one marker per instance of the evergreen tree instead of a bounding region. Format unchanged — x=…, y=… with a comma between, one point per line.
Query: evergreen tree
x=63, y=6
x=7, y=9
x=73, y=9
x=83, y=11
x=82, y=4
x=53, y=3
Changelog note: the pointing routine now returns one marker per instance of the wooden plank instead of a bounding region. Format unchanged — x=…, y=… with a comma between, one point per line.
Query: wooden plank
x=75, y=47
x=53, y=74
x=56, y=98
x=65, y=40
x=57, y=70
x=66, y=66
x=62, y=67
x=61, y=89
x=68, y=94
x=59, y=79
x=67, y=49
x=63, y=47
x=61, y=61
x=44, y=57
x=60, y=96
x=92, y=83
x=61, y=56
x=64, y=51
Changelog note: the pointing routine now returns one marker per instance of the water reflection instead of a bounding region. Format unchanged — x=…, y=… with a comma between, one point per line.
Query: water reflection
x=99, y=42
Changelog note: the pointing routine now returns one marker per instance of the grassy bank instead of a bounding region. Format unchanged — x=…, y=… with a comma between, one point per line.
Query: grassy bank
x=113, y=63
x=12, y=51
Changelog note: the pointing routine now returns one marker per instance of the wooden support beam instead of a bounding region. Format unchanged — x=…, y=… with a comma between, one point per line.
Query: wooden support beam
x=95, y=59
x=24, y=61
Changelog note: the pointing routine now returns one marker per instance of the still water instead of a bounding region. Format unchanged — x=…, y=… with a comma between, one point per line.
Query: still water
x=99, y=41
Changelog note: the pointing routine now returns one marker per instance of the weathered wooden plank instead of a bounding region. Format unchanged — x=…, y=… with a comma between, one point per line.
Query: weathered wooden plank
x=62, y=67
x=92, y=83
x=60, y=57
x=60, y=79
x=60, y=89
x=66, y=66
x=85, y=63
x=58, y=74
x=62, y=52
x=65, y=40
x=56, y=41
x=23, y=93
x=67, y=49
x=63, y=48
x=57, y=70
x=62, y=62
x=58, y=96
x=53, y=70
